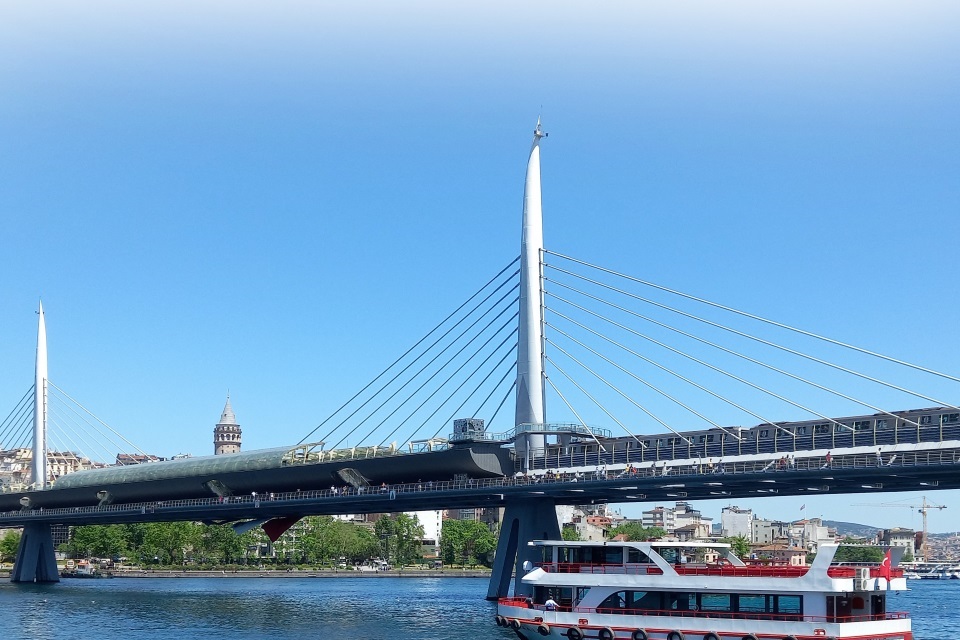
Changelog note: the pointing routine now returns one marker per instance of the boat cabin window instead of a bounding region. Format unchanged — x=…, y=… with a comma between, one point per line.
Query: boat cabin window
x=563, y=596
x=630, y=602
x=635, y=556
x=754, y=603
x=587, y=555
x=716, y=602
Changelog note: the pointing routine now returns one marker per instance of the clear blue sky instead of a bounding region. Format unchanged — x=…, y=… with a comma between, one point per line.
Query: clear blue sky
x=278, y=198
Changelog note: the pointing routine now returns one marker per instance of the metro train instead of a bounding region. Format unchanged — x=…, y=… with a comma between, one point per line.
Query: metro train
x=935, y=424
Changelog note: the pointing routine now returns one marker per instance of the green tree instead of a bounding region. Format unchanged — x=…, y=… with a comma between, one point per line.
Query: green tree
x=98, y=541
x=466, y=541
x=570, y=534
x=636, y=532
x=8, y=546
x=851, y=551
x=401, y=536
x=740, y=545
x=171, y=542
x=219, y=543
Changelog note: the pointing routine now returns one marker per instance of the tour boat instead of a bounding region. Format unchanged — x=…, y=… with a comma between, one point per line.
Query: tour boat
x=700, y=591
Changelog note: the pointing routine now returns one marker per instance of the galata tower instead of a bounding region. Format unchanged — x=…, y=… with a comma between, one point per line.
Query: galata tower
x=227, y=433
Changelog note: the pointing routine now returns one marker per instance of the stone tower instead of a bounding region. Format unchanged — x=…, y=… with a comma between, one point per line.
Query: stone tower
x=227, y=433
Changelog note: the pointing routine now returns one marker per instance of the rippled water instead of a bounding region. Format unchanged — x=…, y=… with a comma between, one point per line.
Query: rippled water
x=281, y=608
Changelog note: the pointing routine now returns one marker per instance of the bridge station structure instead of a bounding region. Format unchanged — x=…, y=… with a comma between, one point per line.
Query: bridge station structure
x=529, y=470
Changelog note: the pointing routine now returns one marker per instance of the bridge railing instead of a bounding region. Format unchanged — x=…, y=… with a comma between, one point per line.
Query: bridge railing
x=205, y=506
x=552, y=427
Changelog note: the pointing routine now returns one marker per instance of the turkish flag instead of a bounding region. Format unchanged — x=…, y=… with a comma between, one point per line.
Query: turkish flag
x=886, y=570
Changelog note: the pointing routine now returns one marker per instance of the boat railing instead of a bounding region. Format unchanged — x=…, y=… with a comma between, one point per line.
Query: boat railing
x=749, y=571
x=733, y=615
x=582, y=567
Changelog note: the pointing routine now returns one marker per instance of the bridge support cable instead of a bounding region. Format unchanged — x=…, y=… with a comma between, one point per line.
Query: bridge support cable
x=705, y=364
x=620, y=392
x=470, y=312
x=36, y=556
x=642, y=381
x=580, y=420
x=766, y=321
x=463, y=383
x=22, y=431
x=432, y=360
x=109, y=429
x=594, y=400
x=61, y=436
x=13, y=423
x=480, y=385
x=760, y=340
x=431, y=376
x=510, y=391
x=714, y=345
x=452, y=375
x=452, y=314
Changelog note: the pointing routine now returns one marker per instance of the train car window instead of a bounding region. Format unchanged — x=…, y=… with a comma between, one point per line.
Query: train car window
x=861, y=425
x=821, y=428
x=882, y=423
x=702, y=439
x=646, y=443
x=842, y=428
x=764, y=433
x=801, y=431
x=661, y=442
x=710, y=438
x=950, y=418
x=926, y=420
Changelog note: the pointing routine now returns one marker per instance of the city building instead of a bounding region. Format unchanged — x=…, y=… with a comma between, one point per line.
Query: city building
x=735, y=521
x=227, y=435
x=899, y=537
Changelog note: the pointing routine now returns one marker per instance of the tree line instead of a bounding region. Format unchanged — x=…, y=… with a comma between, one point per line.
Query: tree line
x=315, y=540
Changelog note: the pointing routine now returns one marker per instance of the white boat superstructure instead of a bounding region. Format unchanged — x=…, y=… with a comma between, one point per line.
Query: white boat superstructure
x=700, y=591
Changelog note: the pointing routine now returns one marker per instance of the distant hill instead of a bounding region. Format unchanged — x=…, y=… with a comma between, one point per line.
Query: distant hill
x=852, y=529
x=866, y=531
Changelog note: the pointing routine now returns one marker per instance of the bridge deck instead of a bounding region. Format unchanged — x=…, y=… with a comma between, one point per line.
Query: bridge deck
x=922, y=470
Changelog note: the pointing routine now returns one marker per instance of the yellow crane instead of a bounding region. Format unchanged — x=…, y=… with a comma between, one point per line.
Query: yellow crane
x=922, y=508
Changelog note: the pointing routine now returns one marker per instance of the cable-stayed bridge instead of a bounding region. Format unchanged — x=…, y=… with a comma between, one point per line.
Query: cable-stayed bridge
x=661, y=369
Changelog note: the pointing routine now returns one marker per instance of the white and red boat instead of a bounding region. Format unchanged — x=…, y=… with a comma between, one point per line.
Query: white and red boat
x=700, y=591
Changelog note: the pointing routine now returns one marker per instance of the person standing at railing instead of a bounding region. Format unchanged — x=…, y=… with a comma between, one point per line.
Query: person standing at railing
x=550, y=604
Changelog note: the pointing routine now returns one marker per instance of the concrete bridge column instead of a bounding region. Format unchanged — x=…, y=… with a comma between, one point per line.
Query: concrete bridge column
x=523, y=521
x=36, y=558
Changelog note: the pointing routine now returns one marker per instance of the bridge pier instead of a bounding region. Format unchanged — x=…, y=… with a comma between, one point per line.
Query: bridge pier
x=523, y=521
x=36, y=558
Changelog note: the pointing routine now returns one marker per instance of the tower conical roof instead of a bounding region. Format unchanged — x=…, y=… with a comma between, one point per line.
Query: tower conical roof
x=228, y=417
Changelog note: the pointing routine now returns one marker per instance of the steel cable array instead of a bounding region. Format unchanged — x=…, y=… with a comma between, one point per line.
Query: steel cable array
x=440, y=374
x=576, y=330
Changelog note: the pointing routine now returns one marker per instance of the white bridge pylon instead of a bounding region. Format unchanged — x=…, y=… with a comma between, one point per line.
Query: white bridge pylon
x=531, y=397
x=39, y=476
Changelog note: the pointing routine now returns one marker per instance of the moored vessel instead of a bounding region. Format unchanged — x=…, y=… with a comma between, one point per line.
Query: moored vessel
x=700, y=591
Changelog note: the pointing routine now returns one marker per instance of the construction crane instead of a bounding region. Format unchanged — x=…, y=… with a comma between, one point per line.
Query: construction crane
x=922, y=508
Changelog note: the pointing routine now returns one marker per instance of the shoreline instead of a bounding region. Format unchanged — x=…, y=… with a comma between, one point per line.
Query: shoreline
x=283, y=573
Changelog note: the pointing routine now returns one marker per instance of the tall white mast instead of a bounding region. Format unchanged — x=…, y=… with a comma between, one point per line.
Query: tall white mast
x=531, y=403
x=40, y=407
